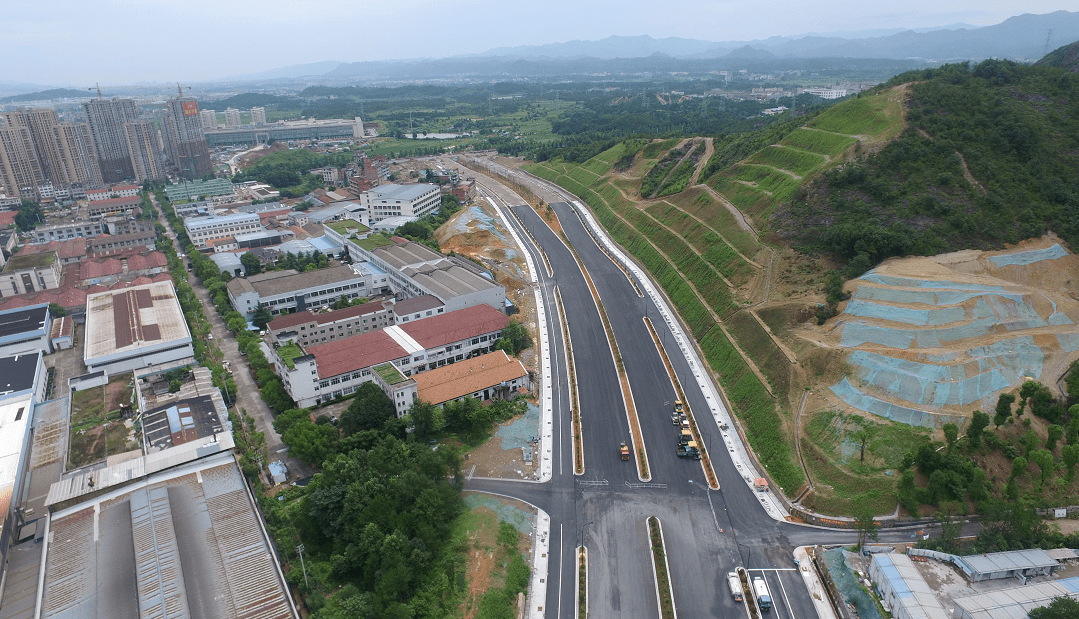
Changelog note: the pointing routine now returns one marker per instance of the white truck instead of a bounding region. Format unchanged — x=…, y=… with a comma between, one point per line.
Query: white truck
x=735, y=585
x=761, y=591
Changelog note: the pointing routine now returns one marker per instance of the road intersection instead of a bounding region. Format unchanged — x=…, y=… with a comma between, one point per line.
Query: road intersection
x=707, y=532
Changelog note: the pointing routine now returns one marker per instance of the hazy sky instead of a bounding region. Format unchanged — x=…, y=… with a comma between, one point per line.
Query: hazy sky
x=80, y=42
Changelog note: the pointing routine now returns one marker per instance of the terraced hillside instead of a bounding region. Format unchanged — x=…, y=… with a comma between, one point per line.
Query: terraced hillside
x=701, y=242
x=838, y=402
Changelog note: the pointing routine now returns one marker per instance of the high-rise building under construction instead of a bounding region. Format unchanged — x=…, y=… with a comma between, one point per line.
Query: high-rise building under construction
x=185, y=143
x=106, y=118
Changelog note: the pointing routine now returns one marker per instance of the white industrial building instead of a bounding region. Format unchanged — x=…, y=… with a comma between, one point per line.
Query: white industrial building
x=335, y=369
x=401, y=200
x=903, y=591
x=201, y=230
x=135, y=328
x=287, y=291
x=25, y=330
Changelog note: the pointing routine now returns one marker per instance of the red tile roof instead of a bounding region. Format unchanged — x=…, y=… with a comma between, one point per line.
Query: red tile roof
x=356, y=352
x=93, y=269
x=290, y=320
x=455, y=326
x=152, y=260
x=7, y=218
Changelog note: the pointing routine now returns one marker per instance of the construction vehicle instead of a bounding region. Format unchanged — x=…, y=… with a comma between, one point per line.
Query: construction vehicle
x=624, y=450
x=678, y=407
x=676, y=419
x=735, y=585
x=761, y=484
x=685, y=437
x=761, y=591
x=689, y=450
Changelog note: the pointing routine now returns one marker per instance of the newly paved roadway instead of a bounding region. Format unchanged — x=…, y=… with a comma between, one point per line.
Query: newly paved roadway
x=707, y=533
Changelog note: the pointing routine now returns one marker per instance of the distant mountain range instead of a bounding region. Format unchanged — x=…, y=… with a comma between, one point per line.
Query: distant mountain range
x=1018, y=38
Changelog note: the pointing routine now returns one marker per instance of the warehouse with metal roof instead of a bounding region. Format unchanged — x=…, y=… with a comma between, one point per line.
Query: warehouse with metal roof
x=1016, y=602
x=903, y=591
x=1010, y=564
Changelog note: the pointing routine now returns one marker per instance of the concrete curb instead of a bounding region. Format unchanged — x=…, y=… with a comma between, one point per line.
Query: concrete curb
x=813, y=583
x=546, y=397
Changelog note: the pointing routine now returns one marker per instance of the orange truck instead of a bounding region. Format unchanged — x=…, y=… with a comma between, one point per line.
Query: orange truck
x=624, y=451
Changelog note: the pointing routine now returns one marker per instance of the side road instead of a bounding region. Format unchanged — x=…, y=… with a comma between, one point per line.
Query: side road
x=248, y=398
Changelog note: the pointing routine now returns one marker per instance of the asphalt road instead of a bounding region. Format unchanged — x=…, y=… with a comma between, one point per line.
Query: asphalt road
x=707, y=533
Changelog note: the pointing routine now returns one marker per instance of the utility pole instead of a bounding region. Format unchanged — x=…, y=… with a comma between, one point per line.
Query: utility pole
x=300, y=549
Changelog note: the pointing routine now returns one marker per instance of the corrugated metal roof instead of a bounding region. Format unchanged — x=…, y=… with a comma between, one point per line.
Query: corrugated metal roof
x=895, y=573
x=1016, y=602
x=1007, y=561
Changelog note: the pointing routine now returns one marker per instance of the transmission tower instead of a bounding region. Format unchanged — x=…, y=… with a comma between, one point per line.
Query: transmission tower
x=1048, y=38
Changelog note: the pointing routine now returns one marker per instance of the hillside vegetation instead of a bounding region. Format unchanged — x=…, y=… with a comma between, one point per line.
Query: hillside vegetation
x=932, y=161
x=988, y=158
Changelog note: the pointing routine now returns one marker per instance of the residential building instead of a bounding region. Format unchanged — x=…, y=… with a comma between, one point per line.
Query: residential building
x=258, y=116
x=208, y=118
x=20, y=170
x=201, y=230
x=70, y=149
x=284, y=131
x=417, y=308
x=106, y=118
x=287, y=291
x=66, y=231
x=397, y=200
x=494, y=375
x=134, y=328
x=110, y=243
x=227, y=244
x=98, y=208
x=116, y=191
x=330, y=175
x=189, y=190
x=323, y=372
x=25, y=330
x=125, y=224
x=232, y=117
x=145, y=148
x=25, y=273
x=185, y=143
x=308, y=328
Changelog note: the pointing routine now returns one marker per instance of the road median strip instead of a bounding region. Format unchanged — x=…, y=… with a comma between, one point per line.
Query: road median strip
x=627, y=393
x=575, y=406
x=582, y=582
x=664, y=589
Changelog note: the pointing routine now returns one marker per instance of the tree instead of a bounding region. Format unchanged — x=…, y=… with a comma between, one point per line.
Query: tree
x=865, y=525
x=951, y=435
x=1044, y=459
x=261, y=318
x=1073, y=425
x=978, y=423
x=864, y=435
x=1060, y=608
x=1071, y=458
x=251, y=263
x=1018, y=466
x=56, y=310
x=427, y=419
x=174, y=385
x=1030, y=441
x=1053, y=434
x=369, y=410
x=515, y=338
x=1004, y=404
